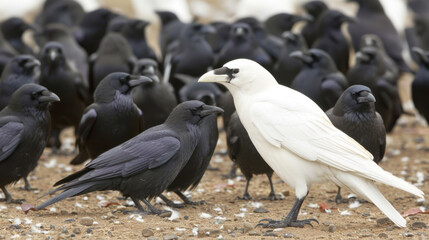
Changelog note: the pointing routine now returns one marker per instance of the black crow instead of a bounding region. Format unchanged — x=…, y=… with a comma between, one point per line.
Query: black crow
x=286, y=68
x=220, y=37
x=20, y=70
x=113, y=55
x=244, y=154
x=58, y=76
x=279, y=23
x=25, y=125
x=144, y=166
x=355, y=115
x=226, y=102
x=420, y=85
x=92, y=28
x=134, y=31
x=208, y=93
x=12, y=29
x=243, y=44
x=171, y=29
x=68, y=13
x=319, y=78
x=112, y=119
x=331, y=40
x=316, y=9
x=371, y=19
x=369, y=71
x=156, y=99
x=73, y=52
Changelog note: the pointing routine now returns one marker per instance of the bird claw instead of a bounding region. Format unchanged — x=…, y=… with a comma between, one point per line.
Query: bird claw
x=283, y=223
x=25, y=188
x=245, y=196
x=196, y=203
x=13, y=201
x=271, y=197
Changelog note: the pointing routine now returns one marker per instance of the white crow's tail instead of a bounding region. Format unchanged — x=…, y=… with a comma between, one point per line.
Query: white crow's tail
x=368, y=190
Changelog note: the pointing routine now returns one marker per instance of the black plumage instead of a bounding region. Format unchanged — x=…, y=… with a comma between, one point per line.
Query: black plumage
x=316, y=9
x=279, y=23
x=112, y=119
x=144, y=166
x=354, y=114
x=243, y=44
x=73, y=52
x=420, y=85
x=24, y=131
x=331, y=40
x=155, y=99
x=244, y=154
x=20, y=70
x=369, y=71
x=67, y=12
x=226, y=102
x=113, y=55
x=7, y=52
x=371, y=19
x=171, y=29
x=92, y=28
x=319, y=79
x=220, y=37
x=134, y=31
x=208, y=93
x=58, y=76
x=286, y=68
x=12, y=30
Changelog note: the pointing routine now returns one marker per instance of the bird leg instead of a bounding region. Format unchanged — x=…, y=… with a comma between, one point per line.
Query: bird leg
x=140, y=209
x=246, y=195
x=8, y=198
x=339, y=199
x=27, y=185
x=153, y=209
x=290, y=220
x=187, y=201
x=272, y=195
x=171, y=203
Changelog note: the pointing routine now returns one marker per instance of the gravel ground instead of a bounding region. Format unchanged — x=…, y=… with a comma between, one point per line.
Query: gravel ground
x=224, y=216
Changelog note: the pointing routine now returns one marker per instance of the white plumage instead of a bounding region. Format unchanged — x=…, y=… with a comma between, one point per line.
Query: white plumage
x=297, y=139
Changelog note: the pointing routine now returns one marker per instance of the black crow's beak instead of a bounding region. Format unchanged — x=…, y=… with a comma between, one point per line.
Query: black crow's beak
x=365, y=97
x=306, y=58
x=32, y=64
x=421, y=54
x=48, y=97
x=209, y=109
x=362, y=56
x=137, y=80
x=289, y=35
x=151, y=73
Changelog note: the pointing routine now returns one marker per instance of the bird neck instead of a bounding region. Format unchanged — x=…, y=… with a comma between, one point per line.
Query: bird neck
x=370, y=6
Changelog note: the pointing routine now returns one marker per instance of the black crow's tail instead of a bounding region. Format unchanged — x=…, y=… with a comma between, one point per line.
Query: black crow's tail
x=73, y=176
x=80, y=158
x=81, y=189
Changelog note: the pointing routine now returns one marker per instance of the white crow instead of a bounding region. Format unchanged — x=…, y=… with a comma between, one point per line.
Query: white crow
x=296, y=138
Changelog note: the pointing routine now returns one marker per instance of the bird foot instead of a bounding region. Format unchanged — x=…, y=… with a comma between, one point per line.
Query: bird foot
x=11, y=200
x=175, y=205
x=28, y=188
x=211, y=168
x=283, y=223
x=196, y=203
x=271, y=197
x=341, y=200
x=129, y=212
x=245, y=197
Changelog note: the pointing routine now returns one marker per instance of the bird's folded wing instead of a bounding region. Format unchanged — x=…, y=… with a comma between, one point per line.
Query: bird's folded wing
x=136, y=155
x=85, y=125
x=10, y=136
x=309, y=134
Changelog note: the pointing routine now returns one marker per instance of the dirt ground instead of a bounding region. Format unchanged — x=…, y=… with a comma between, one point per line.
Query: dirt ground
x=224, y=216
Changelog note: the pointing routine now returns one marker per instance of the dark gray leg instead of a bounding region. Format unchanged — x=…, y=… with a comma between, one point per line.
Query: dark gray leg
x=27, y=185
x=339, y=199
x=152, y=208
x=171, y=203
x=290, y=220
x=187, y=201
x=272, y=195
x=8, y=198
x=246, y=195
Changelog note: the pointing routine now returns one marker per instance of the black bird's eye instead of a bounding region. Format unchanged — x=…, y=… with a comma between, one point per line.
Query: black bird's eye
x=34, y=95
x=23, y=62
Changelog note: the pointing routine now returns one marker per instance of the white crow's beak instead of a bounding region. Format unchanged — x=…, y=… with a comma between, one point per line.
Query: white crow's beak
x=212, y=77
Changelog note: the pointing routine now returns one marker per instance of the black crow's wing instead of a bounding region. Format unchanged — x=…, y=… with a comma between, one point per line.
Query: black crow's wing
x=332, y=87
x=10, y=136
x=86, y=123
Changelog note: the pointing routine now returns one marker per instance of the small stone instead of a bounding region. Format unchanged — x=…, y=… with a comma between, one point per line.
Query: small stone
x=254, y=233
x=89, y=230
x=63, y=212
x=70, y=220
x=215, y=232
x=76, y=230
x=332, y=228
x=86, y=221
x=247, y=227
x=52, y=227
x=15, y=226
x=152, y=238
x=366, y=235
x=147, y=232
x=418, y=225
x=383, y=235
x=170, y=237
x=270, y=234
x=165, y=214
x=408, y=234
x=288, y=235
x=260, y=210
x=366, y=215
x=64, y=230
x=382, y=221
x=72, y=235
x=186, y=217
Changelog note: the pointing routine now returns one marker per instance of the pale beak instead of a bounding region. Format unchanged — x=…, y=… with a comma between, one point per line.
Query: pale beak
x=211, y=76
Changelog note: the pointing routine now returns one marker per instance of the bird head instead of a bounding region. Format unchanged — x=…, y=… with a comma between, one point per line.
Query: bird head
x=242, y=75
x=53, y=54
x=196, y=31
x=356, y=98
x=241, y=32
x=315, y=58
x=32, y=96
x=14, y=27
x=422, y=56
x=371, y=40
x=134, y=27
x=367, y=55
x=315, y=8
x=118, y=82
x=192, y=112
x=285, y=21
x=333, y=19
x=293, y=39
x=22, y=64
x=147, y=67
